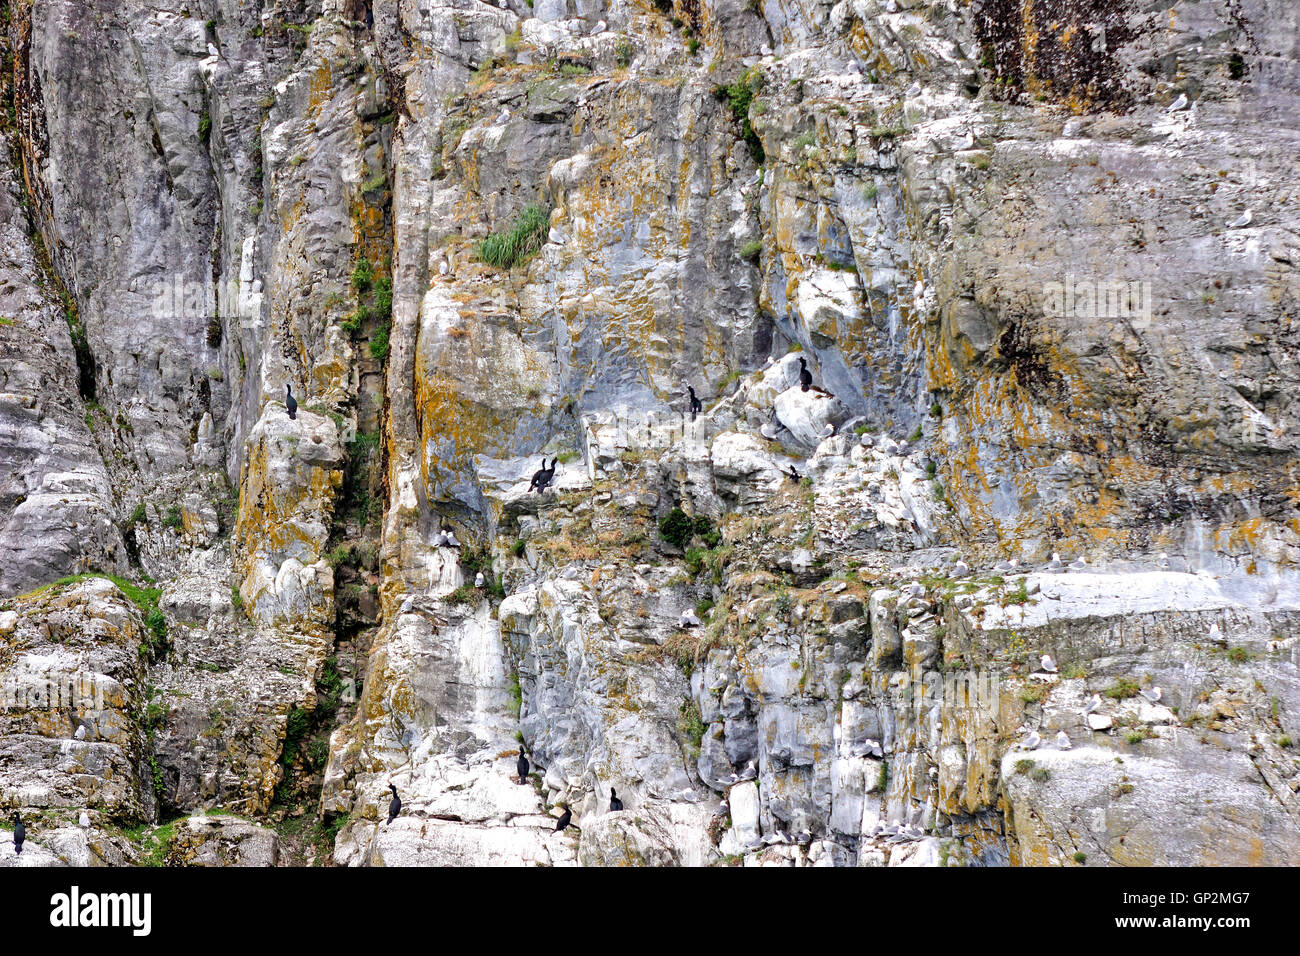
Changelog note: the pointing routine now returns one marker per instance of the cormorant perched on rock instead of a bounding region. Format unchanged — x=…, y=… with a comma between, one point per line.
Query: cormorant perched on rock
x=544, y=476
x=615, y=804
x=805, y=376
x=290, y=402
x=20, y=832
x=794, y=475
x=395, y=805
x=696, y=405
x=538, y=475
x=521, y=765
x=565, y=819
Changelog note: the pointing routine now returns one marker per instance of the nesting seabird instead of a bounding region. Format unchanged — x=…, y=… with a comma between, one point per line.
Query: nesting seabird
x=565, y=819
x=290, y=402
x=826, y=432
x=1063, y=740
x=1152, y=694
x=960, y=570
x=769, y=431
x=615, y=804
x=688, y=618
x=521, y=766
x=1006, y=567
x=479, y=580
x=20, y=833
x=1047, y=663
x=1094, y=702
x=1179, y=104
x=1242, y=221
x=805, y=376
x=1162, y=561
x=1055, y=564
x=83, y=820
x=1032, y=741
x=80, y=733
x=1079, y=564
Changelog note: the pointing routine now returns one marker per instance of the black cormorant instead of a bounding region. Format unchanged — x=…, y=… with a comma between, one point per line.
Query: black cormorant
x=290, y=402
x=538, y=476
x=395, y=805
x=696, y=406
x=20, y=833
x=521, y=765
x=615, y=804
x=805, y=376
x=544, y=477
x=564, y=820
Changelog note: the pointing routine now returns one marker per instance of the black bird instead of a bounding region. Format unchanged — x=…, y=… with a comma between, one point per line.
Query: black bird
x=395, y=806
x=538, y=476
x=522, y=766
x=290, y=402
x=564, y=820
x=544, y=477
x=20, y=834
x=696, y=406
x=615, y=804
x=370, y=18
x=805, y=376
x=794, y=475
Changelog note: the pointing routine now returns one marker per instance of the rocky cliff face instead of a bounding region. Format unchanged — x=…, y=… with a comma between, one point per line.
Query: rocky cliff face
x=1039, y=259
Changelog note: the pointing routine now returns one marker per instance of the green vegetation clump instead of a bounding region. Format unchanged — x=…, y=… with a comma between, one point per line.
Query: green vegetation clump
x=690, y=724
x=1122, y=689
x=739, y=95
x=173, y=517
x=751, y=250
x=678, y=528
x=363, y=275
x=383, y=298
x=519, y=242
x=379, y=343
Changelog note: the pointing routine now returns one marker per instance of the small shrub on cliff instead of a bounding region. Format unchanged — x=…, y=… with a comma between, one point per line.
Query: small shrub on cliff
x=1122, y=689
x=363, y=275
x=676, y=528
x=379, y=344
x=519, y=242
x=739, y=95
x=690, y=724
